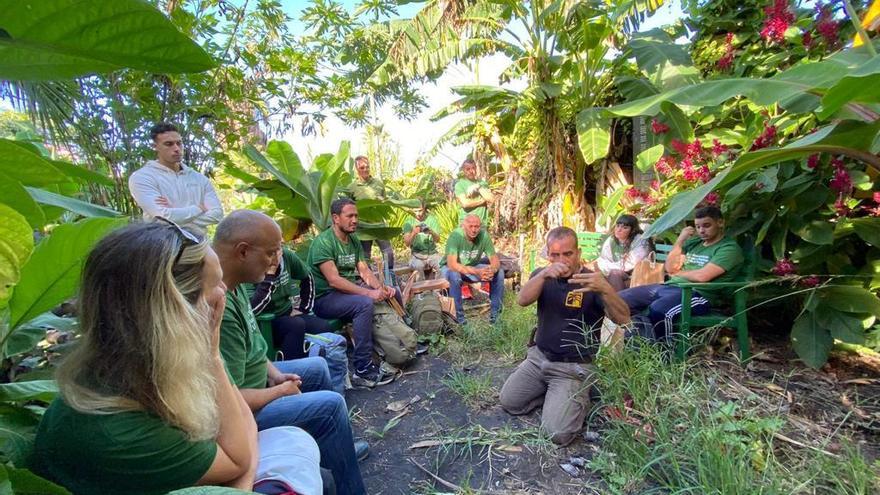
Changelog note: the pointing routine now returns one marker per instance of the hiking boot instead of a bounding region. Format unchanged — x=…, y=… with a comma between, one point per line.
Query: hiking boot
x=371, y=376
x=361, y=449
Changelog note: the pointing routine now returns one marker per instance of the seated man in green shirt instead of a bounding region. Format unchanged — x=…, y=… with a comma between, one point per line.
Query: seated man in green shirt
x=366, y=186
x=709, y=257
x=420, y=234
x=473, y=195
x=466, y=261
x=284, y=393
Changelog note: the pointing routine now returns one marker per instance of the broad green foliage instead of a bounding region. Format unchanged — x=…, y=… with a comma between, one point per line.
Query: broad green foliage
x=57, y=39
x=16, y=245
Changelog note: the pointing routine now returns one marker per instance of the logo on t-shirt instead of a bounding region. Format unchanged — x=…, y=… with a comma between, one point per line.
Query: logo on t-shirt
x=468, y=256
x=574, y=299
x=346, y=260
x=699, y=260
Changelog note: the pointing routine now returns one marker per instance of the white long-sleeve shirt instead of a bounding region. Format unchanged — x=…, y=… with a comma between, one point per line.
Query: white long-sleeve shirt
x=185, y=191
x=607, y=261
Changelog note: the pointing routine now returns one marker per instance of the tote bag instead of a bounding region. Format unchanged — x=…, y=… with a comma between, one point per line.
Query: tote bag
x=646, y=272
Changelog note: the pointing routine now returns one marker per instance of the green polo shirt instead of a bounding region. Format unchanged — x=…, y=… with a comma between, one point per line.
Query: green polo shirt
x=461, y=189
x=241, y=343
x=468, y=253
x=372, y=188
x=345, y=255
x=422, y=243
x=125, y=453
x=725, y=253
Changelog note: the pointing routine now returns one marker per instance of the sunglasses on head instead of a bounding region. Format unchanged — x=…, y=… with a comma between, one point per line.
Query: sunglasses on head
x=189, y=239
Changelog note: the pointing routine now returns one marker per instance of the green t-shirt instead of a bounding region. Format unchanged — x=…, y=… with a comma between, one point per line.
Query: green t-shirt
x=725, y=253
x=422, y=243
x=462, y=186
x=292, y=273
x=346, y=255
x=373, y=188
x=241, y=343
x=126, y=453
x=468, y=253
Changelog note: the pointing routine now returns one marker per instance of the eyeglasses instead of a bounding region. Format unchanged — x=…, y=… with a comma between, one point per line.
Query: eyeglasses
x=189, y=239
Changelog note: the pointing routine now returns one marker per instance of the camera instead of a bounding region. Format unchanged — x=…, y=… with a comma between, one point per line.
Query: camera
x=424, y=227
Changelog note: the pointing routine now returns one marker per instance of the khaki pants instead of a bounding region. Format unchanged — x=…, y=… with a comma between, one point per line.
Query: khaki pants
x=563, y=389
x=422, y=263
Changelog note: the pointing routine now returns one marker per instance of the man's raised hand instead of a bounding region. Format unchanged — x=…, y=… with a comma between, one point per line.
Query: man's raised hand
x=591, y=282
x=686, y=233
x=555, y=270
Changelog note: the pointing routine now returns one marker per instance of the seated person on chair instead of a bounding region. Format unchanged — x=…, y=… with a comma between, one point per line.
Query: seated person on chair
x=572, y=300
x=421, y=236
x=466, y=261
x=622, y=251
x=346, y=288
x=273, y=296
x=709, y=257
x=284, y=393
x=146, y=405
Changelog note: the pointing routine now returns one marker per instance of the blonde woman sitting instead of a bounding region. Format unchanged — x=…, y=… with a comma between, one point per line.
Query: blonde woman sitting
x=622, y=251
x=146, y=406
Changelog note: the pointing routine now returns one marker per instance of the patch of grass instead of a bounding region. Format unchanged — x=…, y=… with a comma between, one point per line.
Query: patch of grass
x=669, y=429
x=380, y=434
x=477, y=439
x=474, y=389
x=507, y=337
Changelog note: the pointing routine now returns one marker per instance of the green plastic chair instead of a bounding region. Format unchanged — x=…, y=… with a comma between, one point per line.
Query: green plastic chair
x=718, y=317
x=264, y=320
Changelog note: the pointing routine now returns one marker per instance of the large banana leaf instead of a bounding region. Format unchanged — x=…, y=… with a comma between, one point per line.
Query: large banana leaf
x=669, y=66
x=61, y=39
x=26, y=166
x=16, y=245
x=74, y=205
x=17, y=197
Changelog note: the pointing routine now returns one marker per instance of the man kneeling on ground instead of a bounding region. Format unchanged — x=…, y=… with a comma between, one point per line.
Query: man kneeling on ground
x=709, y=257
x=557, y=373
x=465, y=261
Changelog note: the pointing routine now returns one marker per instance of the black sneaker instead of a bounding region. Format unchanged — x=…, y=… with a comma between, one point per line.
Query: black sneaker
x=371, y=376
x=361, y=449
x=421, y=349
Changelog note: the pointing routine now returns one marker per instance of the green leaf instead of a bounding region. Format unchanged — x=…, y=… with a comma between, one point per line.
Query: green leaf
x=26, y=166
x=62, y=39
x=23, y=339
x=281, y=154
x=868, y=228
x=16, y=196
x=860, y=85
x=81, y=174
x=71, y=204
x=16, y=245
x=593, y=136
x=17, y=426
x=39, y=390
x=679, y=124
x=646, y=159
x=268, y=166
x=53, y=271
x=25, y=482
x=845, y=327
x=682, y=205
x=811, y=341
x=850, y=299
x=668, y=65
x=818, y=232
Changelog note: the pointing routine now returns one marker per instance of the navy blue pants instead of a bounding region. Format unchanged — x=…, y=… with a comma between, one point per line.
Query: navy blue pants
x=663, y=303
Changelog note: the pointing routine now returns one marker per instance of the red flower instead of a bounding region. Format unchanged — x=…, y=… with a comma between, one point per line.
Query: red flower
x=842, y=182
x=680, y=147
x=704, y=174
x=767, y=138
x=726, y=60
x=810, y=281
x=718, y=149
x=876, y=197
x=807, y=39
x=655, y=185
x=779, y=17
x=694, y=150
x=712, y=199
x=827, y=27
x=648, y=199
x=813, y=161
x=784, y=267
x=840, y=207
x=665, y=165
x=658, y=127
x=633, y=193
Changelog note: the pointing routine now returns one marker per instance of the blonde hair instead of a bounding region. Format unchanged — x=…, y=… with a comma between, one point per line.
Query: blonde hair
x=145, y=331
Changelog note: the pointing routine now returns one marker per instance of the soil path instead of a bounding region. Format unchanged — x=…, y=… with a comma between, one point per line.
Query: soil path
x=493, y=461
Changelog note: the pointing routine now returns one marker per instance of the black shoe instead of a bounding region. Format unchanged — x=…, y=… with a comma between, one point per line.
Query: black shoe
x=371, y=376
x=421, y=349
x=361, y=449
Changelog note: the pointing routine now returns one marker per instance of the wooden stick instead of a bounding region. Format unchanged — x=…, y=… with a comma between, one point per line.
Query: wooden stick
x=391, y=300
x=451, y=486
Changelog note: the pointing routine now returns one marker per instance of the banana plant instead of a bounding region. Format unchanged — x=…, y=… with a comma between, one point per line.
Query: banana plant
x=306, y=195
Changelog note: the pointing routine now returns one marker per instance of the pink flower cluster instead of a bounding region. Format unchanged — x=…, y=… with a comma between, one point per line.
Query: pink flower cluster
x=841, y=182
x=813, y=161
x=726, y=61
x=827, y=27
x=693, y=161
x=779, y=18
x=644, y=196
x=784, y=267
x=658, y=127
x=767, y=138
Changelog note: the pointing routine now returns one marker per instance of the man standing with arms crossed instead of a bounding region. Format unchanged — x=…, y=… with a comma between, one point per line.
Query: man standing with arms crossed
x=166, y=188
x=473, y=195
x=368, y=187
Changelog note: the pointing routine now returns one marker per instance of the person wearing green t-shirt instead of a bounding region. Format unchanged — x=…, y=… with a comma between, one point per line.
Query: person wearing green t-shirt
x=146, y=406
x=420, y=234
x=470, y=257
x=284, y=393
x=473, y=195
x=366, y=186
x=710, y=257
x=274, y=295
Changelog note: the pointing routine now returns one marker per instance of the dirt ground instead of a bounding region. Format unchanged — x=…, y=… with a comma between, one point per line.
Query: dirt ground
x=439, y=413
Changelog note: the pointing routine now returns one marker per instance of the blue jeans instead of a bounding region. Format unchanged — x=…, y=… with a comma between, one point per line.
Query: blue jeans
x=358, y=309
x=324, y=415
x=664, y=306
x=496, y=290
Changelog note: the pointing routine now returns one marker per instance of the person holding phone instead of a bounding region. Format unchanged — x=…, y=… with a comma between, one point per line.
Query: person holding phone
x=420, y=234
x=557, y=372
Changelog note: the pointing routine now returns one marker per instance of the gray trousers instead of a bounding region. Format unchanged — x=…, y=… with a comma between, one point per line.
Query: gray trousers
x=563, y=389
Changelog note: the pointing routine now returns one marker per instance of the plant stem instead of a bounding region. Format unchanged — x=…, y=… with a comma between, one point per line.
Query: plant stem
x=854, y=18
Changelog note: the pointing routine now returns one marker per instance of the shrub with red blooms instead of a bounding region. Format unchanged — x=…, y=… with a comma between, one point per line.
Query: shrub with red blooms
x=841, y=182
x=658, y=127
x=712, y=199
x=813, y=161
x=827, y=27
x=779, y=18
x=633, y=193
x=767, y=138
x=726, y=61
x=784, y=267
x=810, y=281
x=718, y=149
x=666, y=165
